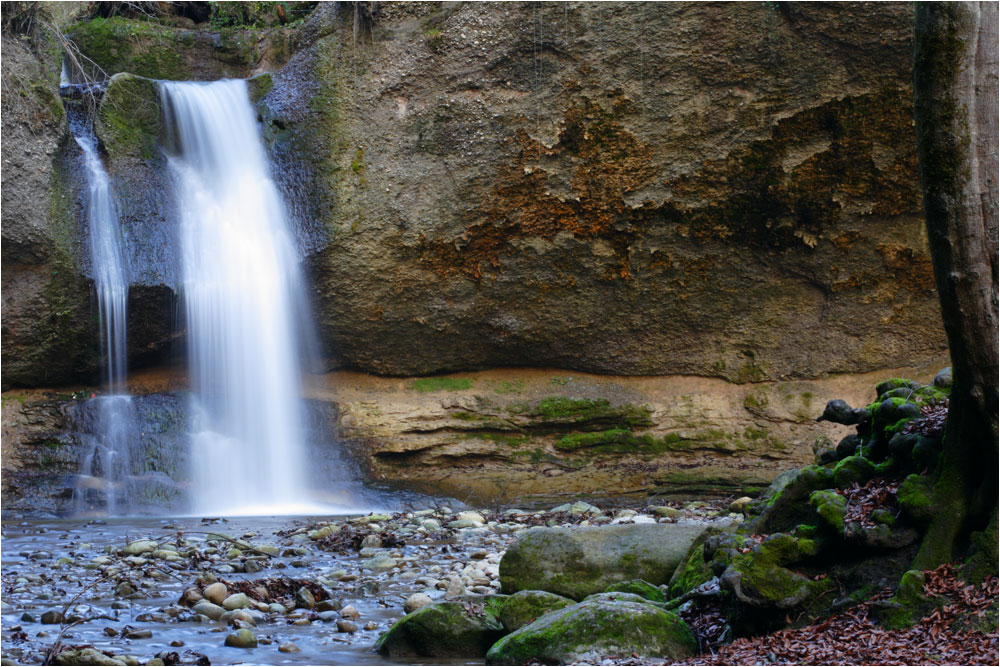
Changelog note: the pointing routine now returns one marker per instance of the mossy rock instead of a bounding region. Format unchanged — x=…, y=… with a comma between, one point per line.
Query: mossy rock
x=456, y=629
x=260, y=85
x=693, y=571
x=831, y=506
x=594, y=629
x=592, y=414
x=909, y=603
x=129, y=121
x=853, y=470
x=643, y=589
x=886, y=386
x=122, y=45
x=621, y=596
x=783, y=505
x=916, y=498
x=525, y=607
x=577, y=562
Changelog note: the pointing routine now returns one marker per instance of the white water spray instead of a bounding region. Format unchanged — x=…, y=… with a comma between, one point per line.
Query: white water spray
x=243, y=292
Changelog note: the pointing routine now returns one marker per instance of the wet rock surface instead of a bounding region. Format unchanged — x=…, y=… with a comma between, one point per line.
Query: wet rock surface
x=132, y=591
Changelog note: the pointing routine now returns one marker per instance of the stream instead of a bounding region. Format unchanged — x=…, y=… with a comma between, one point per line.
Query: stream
x=47, y=563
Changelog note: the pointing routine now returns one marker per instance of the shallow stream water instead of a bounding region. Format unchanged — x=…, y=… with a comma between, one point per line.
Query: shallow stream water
x=48, y=563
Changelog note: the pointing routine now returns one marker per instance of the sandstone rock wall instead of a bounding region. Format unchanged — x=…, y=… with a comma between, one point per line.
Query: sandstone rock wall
x=517, y=435
x=712, y=189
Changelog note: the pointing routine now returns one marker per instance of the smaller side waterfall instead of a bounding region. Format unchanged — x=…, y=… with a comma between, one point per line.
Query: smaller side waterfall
x=105, y=469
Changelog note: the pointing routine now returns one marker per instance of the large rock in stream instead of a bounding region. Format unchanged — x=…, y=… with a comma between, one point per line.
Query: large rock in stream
x=577, y=562
x=595, y=629
x=460, y=628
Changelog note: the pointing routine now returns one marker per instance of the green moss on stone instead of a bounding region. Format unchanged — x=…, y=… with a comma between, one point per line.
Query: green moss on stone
x=895, y=383
x=599, y=626
x=129, y=120
x=141, y=47
x=851, y=470
x=525, y=607
x=693, y=572
x=259, y=86
x=563, y=409
x=831, y=506
x=643, y=589
x=916, y=498
x=426, y=385
x=443, y=629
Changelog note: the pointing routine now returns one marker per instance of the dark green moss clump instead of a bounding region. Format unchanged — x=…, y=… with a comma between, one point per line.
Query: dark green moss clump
x=599, y=625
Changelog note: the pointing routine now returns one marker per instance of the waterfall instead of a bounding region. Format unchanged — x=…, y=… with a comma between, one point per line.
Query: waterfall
x=243, y=294
x=107, y=463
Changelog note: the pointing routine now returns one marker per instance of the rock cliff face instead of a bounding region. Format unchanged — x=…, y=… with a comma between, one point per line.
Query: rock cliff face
x=723, y=190
x=47, y=329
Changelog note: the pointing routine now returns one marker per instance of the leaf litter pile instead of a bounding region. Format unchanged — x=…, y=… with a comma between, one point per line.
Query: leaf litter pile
x=944, y=637
x=931, y=420
x=863, y=500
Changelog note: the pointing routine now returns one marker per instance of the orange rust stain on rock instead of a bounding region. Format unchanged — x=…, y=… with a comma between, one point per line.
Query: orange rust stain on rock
x=608, y=162
x=910, y=268
x=750, y=198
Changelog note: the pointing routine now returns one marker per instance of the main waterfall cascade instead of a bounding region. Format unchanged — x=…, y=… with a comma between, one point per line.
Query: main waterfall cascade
x=244, y=295
x=107, y=465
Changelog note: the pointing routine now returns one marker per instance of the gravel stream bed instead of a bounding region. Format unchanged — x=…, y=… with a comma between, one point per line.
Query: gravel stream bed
x=117, y=584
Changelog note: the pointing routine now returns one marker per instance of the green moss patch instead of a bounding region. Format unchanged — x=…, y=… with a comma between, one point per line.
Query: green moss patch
x=427, y=385
x=129, y=120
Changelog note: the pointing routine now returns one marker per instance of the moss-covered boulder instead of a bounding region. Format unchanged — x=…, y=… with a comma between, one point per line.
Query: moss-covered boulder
x=158, y=51
x=853, y=470
x=908, y=604
x=456, y=629
x=524, y=607
x=783, y=505
x=694, y=568
x=764, y=578
x=595, y=629
x=577, y=562
x=643, y=589
x=831, y=507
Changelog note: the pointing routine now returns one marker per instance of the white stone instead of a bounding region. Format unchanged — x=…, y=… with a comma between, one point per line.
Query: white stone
x=415, y=602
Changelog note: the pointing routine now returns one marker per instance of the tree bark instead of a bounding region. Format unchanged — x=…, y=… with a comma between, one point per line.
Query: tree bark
x=956, y=96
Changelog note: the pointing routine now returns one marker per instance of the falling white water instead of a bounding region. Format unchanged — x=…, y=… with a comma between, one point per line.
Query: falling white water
x=243, y=293
x=106, y=465
x=108, y=263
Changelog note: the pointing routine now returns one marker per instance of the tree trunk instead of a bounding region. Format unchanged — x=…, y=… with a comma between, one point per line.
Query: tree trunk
x=956, y=93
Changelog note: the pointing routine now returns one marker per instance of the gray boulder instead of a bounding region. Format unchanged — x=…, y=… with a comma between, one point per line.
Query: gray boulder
x=577, y=562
